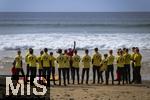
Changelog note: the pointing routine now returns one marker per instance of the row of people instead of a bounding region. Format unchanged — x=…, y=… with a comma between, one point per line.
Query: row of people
x=71, y=64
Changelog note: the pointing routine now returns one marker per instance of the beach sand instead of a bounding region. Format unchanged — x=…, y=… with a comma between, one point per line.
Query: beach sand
x=91, y=91
x=101, y=92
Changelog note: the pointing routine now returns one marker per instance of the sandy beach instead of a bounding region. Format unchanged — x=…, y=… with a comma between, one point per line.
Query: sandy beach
x=91, y=91
x=101, y=92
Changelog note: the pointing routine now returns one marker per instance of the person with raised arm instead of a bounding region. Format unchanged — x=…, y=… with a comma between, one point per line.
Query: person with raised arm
x=70, y=54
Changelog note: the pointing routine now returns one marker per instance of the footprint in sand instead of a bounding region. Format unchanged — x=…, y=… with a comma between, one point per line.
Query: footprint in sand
x=85, y=97
x=71, y=89
x=61, y=99
x=148, y=87
x=104, y=94
x=91, y=95
x=97, y=96
x=133, y=96
x=118, y=96
x=67, y=95
x=85, y=90
x=71, y=99
x=95, y=99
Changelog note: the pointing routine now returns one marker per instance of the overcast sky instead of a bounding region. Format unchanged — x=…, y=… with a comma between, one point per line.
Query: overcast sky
x=74, y=5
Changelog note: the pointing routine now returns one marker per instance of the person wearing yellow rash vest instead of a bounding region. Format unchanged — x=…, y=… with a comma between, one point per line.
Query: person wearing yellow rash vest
x=137, y=66
x=32, y=66
x=124, y=50
x=67, y=65
x=76, y=61
x=110, y=66
x=46, y=66
x=117, y=74
x=52, y=65
x=87, y=64
x=132, y=63
x=127, y=60
x=120, y=69
x=18, y=64
x=61, y=68
x=27, y=63
x=103, y=68
x=39, y=65
x=96, y=59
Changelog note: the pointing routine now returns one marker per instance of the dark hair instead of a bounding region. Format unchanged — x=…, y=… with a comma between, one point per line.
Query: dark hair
x=118, y=52
x=127, y=50
x=137, y=49
x=124, y=49
x=65, y=51
x=119, y=49
x=121, y=52
x=59, y=51
x=18, y=51
x=86, y=51
x=133, y=48
x=31, y=51
x=45, y=50
x=110, y=51
x=75, y=51
x=41, y=52
x=51, y=53
x=105, y=55
x=96, y=49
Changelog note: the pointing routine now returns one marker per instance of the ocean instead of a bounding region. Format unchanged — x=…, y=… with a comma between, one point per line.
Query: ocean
x=55, y=30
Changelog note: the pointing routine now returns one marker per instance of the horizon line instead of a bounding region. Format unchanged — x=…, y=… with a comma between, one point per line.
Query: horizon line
x=74, y=12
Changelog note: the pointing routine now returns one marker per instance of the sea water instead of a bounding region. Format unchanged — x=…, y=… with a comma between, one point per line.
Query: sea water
x=59, y=29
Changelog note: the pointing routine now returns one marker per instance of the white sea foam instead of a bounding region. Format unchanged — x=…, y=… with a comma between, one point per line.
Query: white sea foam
x=65, y=40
